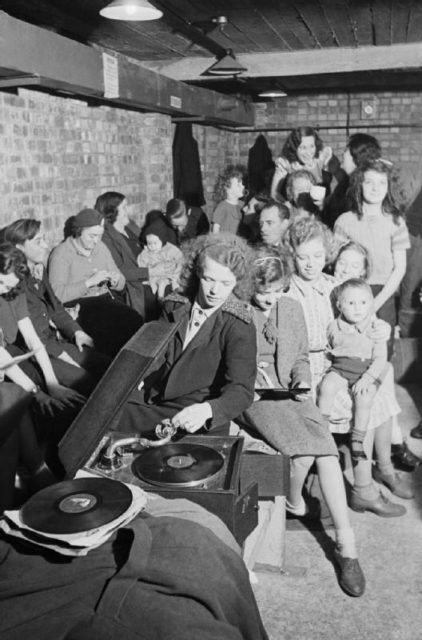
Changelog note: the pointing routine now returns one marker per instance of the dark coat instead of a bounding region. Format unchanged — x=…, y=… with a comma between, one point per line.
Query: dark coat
x=260, y=165
x=44, y=306
x=159, y=577
x=126, y=262
x=218, y=366
x=187, y=177
x=197, y=224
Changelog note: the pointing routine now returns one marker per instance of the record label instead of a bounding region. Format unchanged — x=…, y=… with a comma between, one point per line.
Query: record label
x=76, y=505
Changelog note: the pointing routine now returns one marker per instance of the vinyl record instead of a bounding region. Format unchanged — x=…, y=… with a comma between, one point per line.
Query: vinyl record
x=76, y=505
x=178, y=465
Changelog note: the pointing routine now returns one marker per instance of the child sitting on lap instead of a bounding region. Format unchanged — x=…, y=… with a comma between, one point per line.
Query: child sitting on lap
x=356, y=358
x=163, y=259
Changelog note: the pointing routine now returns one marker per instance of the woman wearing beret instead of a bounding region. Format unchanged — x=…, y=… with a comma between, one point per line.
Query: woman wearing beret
x=82, y=272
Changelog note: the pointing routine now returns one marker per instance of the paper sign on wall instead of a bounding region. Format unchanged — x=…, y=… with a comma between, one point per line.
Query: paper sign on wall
x=110, y=76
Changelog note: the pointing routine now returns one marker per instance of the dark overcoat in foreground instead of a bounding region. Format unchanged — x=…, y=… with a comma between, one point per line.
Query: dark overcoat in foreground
x=157, y=578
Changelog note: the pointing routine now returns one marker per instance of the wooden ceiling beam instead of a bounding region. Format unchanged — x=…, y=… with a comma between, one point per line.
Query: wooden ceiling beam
x=69, y=66
x=303, y=63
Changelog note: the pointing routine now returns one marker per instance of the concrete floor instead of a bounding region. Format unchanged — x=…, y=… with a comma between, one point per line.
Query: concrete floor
x=306, y=603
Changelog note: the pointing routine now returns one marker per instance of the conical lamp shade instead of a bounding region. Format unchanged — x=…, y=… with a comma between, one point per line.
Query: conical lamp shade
x=136, y=10
x=226, y=66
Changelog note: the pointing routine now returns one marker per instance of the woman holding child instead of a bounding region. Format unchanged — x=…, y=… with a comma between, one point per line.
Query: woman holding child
x=312, y=246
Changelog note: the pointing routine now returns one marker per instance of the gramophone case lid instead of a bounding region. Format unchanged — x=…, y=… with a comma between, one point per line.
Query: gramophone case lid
x=131, y=365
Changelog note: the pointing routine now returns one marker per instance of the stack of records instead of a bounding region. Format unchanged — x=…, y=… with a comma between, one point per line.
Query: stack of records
x=75, y=516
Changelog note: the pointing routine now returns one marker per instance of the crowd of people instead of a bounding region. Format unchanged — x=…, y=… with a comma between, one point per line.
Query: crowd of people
x=293, y=288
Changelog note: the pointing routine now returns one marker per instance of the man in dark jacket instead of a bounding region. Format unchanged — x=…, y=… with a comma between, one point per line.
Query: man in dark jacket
x=185, y=223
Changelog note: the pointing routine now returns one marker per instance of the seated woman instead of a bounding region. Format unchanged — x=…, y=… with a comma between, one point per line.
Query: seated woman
x=125, y=247
x=75, y=361
x=295, y=426
x=312, y=246
x=206, y=378
x=18, y=442
x=83, y=272
x=15, y=319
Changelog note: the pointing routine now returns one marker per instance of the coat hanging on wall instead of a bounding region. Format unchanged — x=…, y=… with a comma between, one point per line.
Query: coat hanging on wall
x=260, y=166
x=187, y=177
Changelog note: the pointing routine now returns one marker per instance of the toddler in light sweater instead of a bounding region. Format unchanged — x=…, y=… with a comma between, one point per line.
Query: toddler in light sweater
x=163, y=259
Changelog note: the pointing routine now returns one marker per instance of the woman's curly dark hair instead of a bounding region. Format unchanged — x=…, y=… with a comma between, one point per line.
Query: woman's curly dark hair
x=12, y=260
x=108, y=205
x=225, y=248
x=306, y=229
x=19, y=231
x=224, y=179
x=294, y=139
x=363, y=147
x=355, y=192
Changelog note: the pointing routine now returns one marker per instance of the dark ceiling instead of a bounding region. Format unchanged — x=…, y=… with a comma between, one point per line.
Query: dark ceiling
x=186, y=33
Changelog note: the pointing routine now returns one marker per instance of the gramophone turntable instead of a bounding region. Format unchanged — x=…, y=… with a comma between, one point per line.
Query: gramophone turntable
x=204, y=469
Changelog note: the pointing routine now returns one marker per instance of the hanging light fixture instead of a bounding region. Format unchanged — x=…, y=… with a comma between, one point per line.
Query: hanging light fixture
x=226, y=66
x=135, y=10
x=272, y=93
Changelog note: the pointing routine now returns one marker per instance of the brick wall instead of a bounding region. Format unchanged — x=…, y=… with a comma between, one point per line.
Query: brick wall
x=397, y=120
x=217, y=149
x=397, y=125
x=57, y=155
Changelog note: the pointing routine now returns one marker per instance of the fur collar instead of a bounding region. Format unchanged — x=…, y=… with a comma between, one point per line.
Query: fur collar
x=235, y=307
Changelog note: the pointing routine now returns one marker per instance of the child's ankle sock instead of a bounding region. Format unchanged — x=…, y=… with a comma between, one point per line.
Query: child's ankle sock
x=356, y=445
x=366, y=491
x=345, y=543
x=386, y=468
x=298, y=509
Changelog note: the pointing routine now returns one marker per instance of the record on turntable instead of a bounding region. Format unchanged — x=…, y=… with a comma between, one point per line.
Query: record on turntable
x=76, y=505
x=178, y=465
